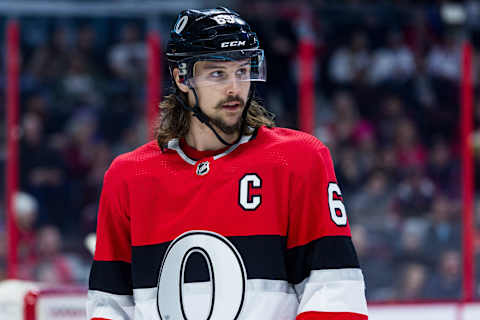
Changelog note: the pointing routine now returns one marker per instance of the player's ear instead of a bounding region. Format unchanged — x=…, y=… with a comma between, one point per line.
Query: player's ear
x=176, y=75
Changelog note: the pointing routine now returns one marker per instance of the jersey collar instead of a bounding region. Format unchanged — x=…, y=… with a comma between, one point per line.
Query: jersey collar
x=176, y=145
x=195, y=154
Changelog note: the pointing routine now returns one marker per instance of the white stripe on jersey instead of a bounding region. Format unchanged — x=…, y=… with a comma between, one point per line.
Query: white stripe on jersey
x=265, y=300
x=333, y=290
x=109, y=306
x=336, y=290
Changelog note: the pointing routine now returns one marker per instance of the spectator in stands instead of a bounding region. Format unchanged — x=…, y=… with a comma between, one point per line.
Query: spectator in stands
x=50, y=61
x=82, y=129
x=365, y=141
x=113, y=122
x=392, y=108
x=91, y=189
x=42, y=171
x=86, y=46
x=410, y=285
x=409, y=244
x=443, y=61
x=372, y=205
x=414, y=195
x=408, y=147
x=78, y=84
x=444, y=231
x=130, y=139
x=387, y=162
x=446, y=281
x=26, y=212
x=423, y=91
x=102, y=158
x=351, y=134
x=349, y=172
x=349, y=64
x=347, y=126
x=52, y=265
x=444, y=67
x=127, y=59
x=374, y=259
x=393, y=63
x=281, y=50
x=442, y=169
x=38, y=103
x=79, y=156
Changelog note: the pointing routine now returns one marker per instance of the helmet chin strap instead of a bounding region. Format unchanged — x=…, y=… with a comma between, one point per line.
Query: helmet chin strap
x=197, y=112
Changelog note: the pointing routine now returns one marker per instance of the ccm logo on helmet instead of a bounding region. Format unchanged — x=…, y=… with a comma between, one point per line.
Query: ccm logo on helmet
x=232, y=44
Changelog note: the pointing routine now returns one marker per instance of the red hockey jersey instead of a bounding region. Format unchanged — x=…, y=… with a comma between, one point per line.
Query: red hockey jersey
x=258, y=231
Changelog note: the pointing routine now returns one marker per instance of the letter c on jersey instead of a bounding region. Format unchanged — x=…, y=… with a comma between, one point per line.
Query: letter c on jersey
x=245, y=199
x=228, y=277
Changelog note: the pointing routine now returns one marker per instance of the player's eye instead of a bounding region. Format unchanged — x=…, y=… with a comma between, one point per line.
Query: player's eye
x=217, y=75
x=242, y=73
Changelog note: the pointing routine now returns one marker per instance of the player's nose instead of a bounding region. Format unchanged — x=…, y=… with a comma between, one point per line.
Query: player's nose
x=233, y=87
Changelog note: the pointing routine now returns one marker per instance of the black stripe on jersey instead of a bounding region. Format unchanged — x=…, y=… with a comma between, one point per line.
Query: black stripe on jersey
x=146, y=264
x=263, y=256
x=333, y=252
x=111, y=276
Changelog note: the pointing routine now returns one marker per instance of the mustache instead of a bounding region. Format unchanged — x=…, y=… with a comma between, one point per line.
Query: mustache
x=231, y=99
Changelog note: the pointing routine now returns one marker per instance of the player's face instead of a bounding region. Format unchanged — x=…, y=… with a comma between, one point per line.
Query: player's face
x=222, y=89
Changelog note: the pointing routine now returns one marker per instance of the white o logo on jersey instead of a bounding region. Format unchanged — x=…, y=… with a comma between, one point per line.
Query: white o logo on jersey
x=246, y=201
x=336, y=205
x=180, y=25
x=227, y=276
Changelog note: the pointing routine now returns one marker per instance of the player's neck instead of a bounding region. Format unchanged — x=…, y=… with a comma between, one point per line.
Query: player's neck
x=202, y=137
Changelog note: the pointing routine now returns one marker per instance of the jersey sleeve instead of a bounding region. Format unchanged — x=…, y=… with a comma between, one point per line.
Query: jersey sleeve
x=110, y=283
x=321, y=259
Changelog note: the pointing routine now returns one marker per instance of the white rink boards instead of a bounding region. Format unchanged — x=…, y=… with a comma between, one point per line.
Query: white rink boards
x=47, y=302
x=22, y=300
x=425, y=311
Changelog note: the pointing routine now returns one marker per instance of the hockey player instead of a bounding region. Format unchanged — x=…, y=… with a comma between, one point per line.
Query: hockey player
x=224, y=216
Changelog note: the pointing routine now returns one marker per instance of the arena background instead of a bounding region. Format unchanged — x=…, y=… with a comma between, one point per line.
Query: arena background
x=386, y=85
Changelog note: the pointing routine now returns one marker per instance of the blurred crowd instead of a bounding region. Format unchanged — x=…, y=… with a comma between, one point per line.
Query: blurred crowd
x=82, y=104
x=387, y=106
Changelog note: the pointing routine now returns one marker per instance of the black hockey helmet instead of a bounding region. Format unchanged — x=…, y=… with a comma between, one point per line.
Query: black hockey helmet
x=213, y=34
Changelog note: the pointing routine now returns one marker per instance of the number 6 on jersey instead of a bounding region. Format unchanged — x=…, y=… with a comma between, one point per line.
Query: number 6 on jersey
x=337, y=208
